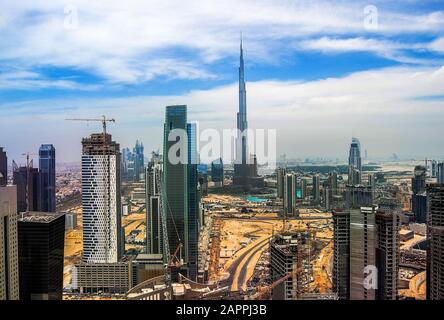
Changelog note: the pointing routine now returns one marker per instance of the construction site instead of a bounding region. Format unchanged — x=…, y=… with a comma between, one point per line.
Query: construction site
x=242, y=235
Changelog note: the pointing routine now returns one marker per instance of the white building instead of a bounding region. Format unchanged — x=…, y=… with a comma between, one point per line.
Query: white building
x=9, y=270
x=102, y=231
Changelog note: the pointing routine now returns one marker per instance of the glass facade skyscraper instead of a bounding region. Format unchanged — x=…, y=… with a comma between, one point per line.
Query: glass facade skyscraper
x=175, y=183
x=193, y=202
x=47, y=181
x=354, y=157
x=41, y=246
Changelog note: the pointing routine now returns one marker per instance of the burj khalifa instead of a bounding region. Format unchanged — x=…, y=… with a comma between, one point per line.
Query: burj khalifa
x=245, y=167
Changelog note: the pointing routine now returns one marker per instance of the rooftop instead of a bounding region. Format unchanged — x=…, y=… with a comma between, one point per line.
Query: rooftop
x=40, y=217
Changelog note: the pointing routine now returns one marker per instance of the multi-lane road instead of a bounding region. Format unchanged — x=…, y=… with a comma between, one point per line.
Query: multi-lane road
x=242, y=267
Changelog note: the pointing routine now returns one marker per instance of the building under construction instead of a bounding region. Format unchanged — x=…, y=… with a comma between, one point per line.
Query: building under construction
x=290, y=265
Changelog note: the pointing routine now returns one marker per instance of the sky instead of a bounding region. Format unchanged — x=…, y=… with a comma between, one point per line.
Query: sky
x=319, y=72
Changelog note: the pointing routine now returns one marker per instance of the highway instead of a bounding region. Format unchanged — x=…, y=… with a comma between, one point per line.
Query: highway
x=238, y=269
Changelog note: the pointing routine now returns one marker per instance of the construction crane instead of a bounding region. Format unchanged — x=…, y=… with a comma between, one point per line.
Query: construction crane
x=172, y=260
x=104, y=120
x=266, y=291
x=106, y=178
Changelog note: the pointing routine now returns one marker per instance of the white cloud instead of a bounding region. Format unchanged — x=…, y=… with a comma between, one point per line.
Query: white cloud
x=385, y=48
x=384, y=108
x=25, y=80
x=131, y=41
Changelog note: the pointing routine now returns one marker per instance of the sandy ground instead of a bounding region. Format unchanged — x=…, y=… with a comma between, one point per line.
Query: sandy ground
x=417, y=287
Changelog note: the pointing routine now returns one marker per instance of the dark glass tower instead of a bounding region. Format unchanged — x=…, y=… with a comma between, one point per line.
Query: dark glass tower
x=3, y=168
x=193, y=203
x=354, y=157
x=419, y=198
x=26, y=178
x=47, y=184
x=175, y=183
x=41, y=238
x=217, y=170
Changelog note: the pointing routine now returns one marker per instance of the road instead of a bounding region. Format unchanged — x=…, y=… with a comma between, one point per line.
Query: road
x=238, y=269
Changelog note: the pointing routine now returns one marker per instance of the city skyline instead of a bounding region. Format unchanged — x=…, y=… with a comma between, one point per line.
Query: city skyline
x=328, y=73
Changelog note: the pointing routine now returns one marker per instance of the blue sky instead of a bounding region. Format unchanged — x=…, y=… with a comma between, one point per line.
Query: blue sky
x=319, y=72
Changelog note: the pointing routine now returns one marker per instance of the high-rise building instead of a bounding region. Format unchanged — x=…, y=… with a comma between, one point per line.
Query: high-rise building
x=354, y=157
x=9, y=268
x=354, y=176
x=193, y=202
x=316, y=189
x=371, y=181
x=289, y=256
x=440, y=173
x=355, y=198
x=341, y=254
x=333, y=182
x=435, y=236
x=217, y=171
x=47, y=182
x=154, y=234
x=355, y=163
x=3, y=168
x=358, y=196
x=387, y=253
x=175, y=182
x=241, y=166
x=41, y=245
x=304, y=192
x=280, y=180
x=245, y=167
x=362, y=252
x=103, y=239
x=139, y=161
x=289, y=194
x=419, y=200
x=26, y=178
x=433, y=167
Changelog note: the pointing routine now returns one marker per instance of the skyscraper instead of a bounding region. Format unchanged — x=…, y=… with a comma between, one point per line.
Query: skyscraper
x=217, y=171
x=102, y=232
x=316, y=188
x=139, y=161
x=154, y=234
x=362, y=251
x=47, y=179
x=3, y=168
x=9, y=268
x=175, y=182
x=419, y=200
x=245, y=167
x=280, y=180
x=193, y=202
x=341, y=254
x=333, y=182
x=435, y=236
x=354, y=157
x=289, y=256
x=26, y=178
x=241, y=166
x=304, y=192
x=387, y=253
x=41, y=246
x=440, y=173
x=289, y=194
